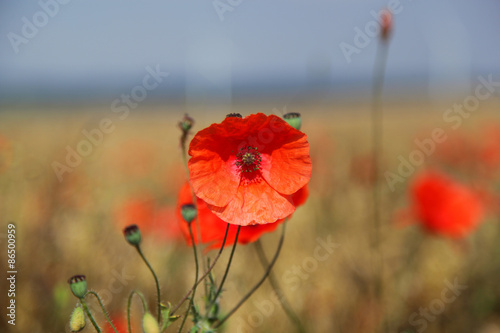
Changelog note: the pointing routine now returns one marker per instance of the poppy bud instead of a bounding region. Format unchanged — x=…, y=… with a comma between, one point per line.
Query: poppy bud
x=77, y=320
x=234, y=115
x=149, y=324
x=188, y=212
x=386, y=24
x=186, y=123
x=132, y=234
x=293, y=119
x=78, y=285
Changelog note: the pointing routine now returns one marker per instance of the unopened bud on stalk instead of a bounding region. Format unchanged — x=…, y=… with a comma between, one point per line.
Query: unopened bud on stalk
x=385, y=24
x=149, y=324
x=188, y=212
x=78, y=285
x=77, y=320
x=293, y=119
x=186, y=123
x=132, y=234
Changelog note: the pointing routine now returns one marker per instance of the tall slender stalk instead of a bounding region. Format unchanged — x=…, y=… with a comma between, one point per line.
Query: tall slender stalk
x=129, y=304
x=138, y=248
x=227, y=267
x=377, y=151
x=266, y=274
x=285, y=304
x=204, y=275
x=87, y=311
x=195, y=280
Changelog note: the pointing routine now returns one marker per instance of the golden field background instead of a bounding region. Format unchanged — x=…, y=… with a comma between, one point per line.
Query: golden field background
x=72, y=227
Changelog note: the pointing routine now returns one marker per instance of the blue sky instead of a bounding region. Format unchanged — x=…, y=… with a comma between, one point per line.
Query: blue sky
x=443, y=44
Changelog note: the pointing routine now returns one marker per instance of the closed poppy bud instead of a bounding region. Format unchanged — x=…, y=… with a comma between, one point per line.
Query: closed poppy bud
x=186, y=123
x=149, y=324
x=188, y=212
x=78, y=285
x=293, y=119
x=132, y=234
x=77, y=320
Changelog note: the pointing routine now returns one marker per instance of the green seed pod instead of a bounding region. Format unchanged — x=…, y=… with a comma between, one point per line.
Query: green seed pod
x=77, y=321
x=188, y=212
x=293, y=119
x=132, y=234
x=78, y=285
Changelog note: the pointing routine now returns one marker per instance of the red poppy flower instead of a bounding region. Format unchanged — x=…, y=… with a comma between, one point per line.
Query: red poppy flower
x=445, y=207
x=247, y=169
x=213, y=229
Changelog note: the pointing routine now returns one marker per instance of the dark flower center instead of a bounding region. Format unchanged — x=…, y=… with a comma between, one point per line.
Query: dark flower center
x=248, y=159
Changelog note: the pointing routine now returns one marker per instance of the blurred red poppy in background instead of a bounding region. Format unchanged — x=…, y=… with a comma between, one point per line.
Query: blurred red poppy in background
x=489, y=151
x=247, y=169
x=120, y=322
x=157, y=221
x=445, y=207
x=213, y=229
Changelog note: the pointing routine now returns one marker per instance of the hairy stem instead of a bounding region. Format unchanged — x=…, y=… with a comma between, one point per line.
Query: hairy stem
x=156, y=281
x=103, y=309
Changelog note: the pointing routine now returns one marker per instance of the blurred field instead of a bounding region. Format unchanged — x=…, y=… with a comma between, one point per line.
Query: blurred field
x=74, y=226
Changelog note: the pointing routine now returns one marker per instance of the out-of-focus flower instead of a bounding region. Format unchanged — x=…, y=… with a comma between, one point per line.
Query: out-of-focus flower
x=153, y=219
x=445, y=207
x=247, y=169
x=385, y=24
x=120, y=323
x=489, y=151
x=213, y=229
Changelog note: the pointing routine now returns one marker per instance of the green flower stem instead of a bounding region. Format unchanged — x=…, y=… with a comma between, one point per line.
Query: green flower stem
x=87, y=311
x=185, y=163
x=227, y=267
x=266, y=274
x=103, y=309
x=129, y=303
x=195, y=280
x=206, y=273
x=156, y=280
x=285, y=304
